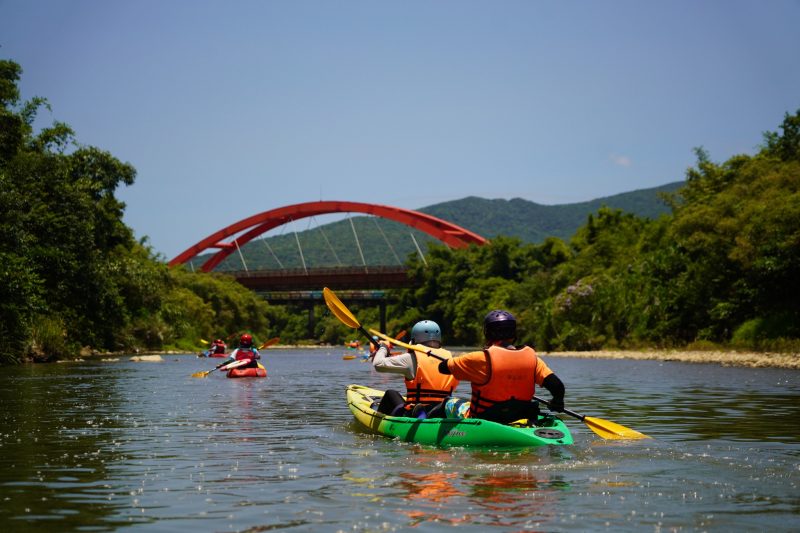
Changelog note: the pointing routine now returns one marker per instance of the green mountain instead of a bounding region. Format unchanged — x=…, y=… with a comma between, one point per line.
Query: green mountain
x=376, y=241
x=534, y=222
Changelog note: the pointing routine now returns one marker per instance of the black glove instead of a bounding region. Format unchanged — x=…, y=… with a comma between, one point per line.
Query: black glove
x=557, y=405
x=443, y=369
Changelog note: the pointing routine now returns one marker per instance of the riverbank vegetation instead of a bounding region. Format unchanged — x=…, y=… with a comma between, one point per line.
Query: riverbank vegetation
x=72, y=276
x=722, y=270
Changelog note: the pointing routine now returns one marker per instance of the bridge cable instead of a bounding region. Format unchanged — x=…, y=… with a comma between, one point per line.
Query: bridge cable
x=422, y=256
x=300, y=249
x=329, y=245
x=236, y=242
x=264, y=240
x=358, y=244
x=387, y=241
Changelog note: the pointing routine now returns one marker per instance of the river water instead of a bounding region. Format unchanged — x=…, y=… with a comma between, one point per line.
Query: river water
x=115, y=445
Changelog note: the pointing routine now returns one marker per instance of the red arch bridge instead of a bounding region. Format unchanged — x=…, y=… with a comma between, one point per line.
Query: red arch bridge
x=303, y=286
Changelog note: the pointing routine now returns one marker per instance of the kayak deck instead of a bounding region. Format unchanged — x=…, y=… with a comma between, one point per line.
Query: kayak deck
x=253, y=372
x=446, y=432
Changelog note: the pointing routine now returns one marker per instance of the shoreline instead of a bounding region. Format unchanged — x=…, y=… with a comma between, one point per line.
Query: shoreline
x=724, y=358
x=740, y=359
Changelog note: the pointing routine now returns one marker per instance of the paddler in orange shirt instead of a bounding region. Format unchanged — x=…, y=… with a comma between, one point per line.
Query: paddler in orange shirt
x=503, y=377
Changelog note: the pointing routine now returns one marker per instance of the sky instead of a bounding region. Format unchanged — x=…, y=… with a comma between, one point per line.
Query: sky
x=230, y=108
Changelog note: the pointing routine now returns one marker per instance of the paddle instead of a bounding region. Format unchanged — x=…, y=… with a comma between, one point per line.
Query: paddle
x=604, y=428
x=270, y=342
x=204, y=341
x=399, y=336
x=404, y=345
x=224, y=366
x=341, y=312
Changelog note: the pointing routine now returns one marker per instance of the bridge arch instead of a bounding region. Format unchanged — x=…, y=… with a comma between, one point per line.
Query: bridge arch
x=253, y=226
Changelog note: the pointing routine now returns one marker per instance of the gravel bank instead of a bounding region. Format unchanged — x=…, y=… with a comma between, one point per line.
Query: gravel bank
x=749, y=359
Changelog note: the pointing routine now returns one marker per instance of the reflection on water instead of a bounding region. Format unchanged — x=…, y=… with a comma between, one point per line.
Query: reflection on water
x=104, y=445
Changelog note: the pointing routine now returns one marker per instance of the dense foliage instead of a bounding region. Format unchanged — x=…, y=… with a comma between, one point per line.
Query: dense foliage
x=72, y=277
x=722, y=268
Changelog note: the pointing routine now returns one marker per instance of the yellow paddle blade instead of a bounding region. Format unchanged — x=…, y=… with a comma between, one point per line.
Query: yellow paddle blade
x=339, y=310
x=612, y=430
x=233, y=364
x=273, y=340
x=204, y=341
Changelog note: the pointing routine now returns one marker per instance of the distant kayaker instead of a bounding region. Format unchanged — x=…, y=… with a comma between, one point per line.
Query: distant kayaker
x=245, y=351
x=217, y=349
x=219, y=346
x=504, y=377
x=426, y=387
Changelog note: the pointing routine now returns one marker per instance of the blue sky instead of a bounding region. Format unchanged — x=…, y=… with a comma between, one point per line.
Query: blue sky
x=258, y=104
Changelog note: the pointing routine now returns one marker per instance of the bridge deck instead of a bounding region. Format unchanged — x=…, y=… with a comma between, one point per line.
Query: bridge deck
x=339, y=278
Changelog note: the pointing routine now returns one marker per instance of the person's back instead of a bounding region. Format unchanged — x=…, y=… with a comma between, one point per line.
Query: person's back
x=504, y=377
x=219, y=347
x=426, y=387
x=246, y=351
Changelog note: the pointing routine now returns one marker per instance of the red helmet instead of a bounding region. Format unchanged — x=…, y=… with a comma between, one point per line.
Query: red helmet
x=246, y=340
x=218, y=341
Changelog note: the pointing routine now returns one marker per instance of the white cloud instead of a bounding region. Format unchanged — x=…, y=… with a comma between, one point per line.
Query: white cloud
x=621, y=160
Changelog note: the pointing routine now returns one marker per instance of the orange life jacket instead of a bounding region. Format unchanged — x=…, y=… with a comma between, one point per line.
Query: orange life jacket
x=511, y=377
x=429, y=385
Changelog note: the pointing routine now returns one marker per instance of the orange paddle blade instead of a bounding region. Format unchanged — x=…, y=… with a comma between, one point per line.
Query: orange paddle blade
x=270, y=342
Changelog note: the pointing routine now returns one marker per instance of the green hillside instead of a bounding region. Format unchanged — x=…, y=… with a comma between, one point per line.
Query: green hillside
x=532, y=222
x=384, y=242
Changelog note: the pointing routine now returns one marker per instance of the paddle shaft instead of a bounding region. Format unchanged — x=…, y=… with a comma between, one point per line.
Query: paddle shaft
x=349, y=319
x=570, y=413
x=224, y=366
x=385, y=337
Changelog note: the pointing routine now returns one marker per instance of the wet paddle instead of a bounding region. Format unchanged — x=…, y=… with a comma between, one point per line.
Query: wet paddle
x=341, y=312
x=604, y=428
x=224, y=366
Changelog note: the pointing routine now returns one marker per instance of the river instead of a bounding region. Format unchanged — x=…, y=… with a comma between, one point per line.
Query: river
x=116, y=445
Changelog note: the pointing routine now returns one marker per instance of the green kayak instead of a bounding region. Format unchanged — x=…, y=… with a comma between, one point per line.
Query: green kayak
x=362, y=401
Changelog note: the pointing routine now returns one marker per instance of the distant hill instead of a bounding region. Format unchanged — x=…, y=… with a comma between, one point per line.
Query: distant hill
x=384, y=242
x=534, y=222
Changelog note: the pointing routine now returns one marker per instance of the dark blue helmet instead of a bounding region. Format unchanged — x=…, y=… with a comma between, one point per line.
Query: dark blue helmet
x=499, y=325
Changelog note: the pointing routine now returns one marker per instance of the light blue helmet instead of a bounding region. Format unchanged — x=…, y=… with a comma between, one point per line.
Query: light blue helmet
x=426, y=331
